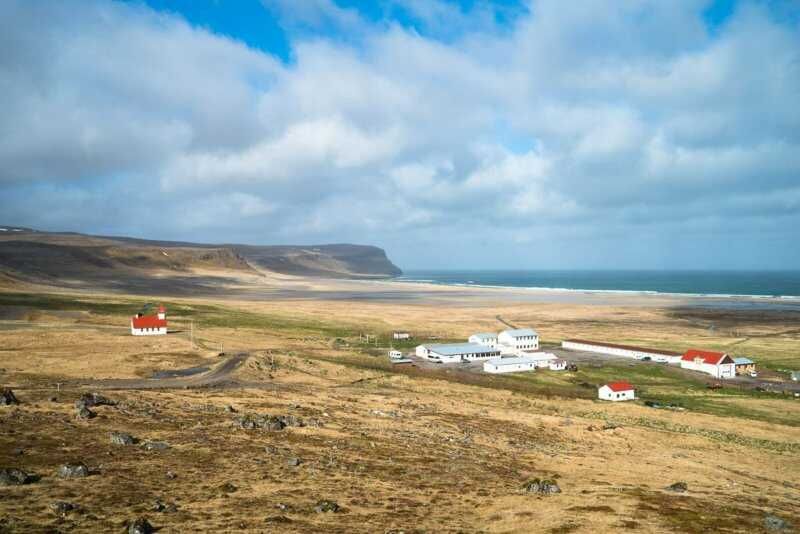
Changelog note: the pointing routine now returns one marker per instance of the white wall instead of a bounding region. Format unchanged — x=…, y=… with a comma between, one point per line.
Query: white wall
x=519, y=343
x=490, y=367
x=491, y=342
x=614, y=351
x=724, y=370
x=422, y=351
x=149, y=332
x=606, y=393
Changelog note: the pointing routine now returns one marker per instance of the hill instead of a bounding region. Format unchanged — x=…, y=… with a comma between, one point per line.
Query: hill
x=50, y=257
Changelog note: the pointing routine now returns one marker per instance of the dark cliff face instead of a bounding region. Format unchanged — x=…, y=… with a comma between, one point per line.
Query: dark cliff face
x=338, y=261
x=34, y=254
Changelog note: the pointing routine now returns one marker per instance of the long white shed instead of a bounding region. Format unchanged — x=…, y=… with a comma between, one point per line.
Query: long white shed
x=509, y=365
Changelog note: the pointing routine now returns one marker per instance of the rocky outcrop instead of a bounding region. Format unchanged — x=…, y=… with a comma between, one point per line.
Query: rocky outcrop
x=11, y=476
x=541, y=487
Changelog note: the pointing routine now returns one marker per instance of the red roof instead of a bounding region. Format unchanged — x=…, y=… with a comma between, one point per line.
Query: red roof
x=148, y=321
x=161, y=309
x=619, y=385
x=709, y=357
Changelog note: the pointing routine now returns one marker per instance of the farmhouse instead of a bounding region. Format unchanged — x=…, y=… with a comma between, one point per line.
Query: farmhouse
x=717, y=364
x=150, y=325
x=509, y=365
x=616, y=391
x=744, y=366
x=490, y=340
x=457, y=352
x=520, y=339
x=627, y=351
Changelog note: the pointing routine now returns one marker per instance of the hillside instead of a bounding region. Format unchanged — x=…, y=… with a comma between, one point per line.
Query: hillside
x=51, y=257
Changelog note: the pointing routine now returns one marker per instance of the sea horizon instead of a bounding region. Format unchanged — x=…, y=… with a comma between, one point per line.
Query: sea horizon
x=718, y=283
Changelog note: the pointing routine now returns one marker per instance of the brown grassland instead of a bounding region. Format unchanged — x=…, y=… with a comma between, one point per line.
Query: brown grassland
x=398, y=448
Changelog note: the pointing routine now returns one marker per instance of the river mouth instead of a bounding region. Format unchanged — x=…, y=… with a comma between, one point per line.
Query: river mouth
x=178, y=373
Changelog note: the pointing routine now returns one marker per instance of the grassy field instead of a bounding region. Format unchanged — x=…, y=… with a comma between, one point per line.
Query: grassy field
x=397, y=447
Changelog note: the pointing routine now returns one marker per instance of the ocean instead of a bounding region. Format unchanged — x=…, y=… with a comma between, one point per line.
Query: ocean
x=775, y=284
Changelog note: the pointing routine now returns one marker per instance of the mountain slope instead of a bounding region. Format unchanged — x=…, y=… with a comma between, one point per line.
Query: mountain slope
x=50, y=256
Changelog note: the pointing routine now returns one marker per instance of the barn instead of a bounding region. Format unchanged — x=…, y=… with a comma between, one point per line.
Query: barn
x=616, y=391
x=716, y=364
x=150, y=325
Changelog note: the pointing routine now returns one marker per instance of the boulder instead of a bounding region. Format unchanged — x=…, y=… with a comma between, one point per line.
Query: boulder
x=268, y=422
x=93, y=399
x=11, y=476
x=7, y=397
x=773, y=522
x=541, y=487
x=78, y=470
x=85, y=413
x=121, y=438
x=678, y=487
x=293, y=462
x=140, y=526
x=162, y=507
x=228, y=488
x=325, y=505
x=62, y=508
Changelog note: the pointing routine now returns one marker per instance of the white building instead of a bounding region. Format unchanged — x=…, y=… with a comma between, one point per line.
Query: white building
x=150, y=325
x=395, y=354
x=541, y=359
x=401, y=335
x=457, y=352
x=717, y=364
x=558, y=364
x=487, y=339
x=627, y=351
x=519, y=340
x=509, y=365
x=616, y=391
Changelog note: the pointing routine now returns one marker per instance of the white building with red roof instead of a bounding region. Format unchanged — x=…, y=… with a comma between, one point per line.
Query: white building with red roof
x=717, y=364
x=150, y=325
x=616, y=391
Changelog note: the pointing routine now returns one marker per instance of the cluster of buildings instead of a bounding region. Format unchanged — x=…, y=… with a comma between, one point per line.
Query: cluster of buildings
x=510, y=351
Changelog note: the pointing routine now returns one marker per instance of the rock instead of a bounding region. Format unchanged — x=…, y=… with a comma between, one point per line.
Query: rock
x=7, y=397
x=155, y=445
x=18, y=452
x=11, y=476
x=325, y=505
x=78, y=470
x=160, y=506
x=773, y=522
x=140, y=526
x=171, y=475
x=228, y=488
x=85, y=413
x=268, y=422
x=293, y=462
x=121, y=438
x=678, y=487
x=93, y=399
x=541, y=487
x=53, y=399
x=230, y=409
x=62, y=508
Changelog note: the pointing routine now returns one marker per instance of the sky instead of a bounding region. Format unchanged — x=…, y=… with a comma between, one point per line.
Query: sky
x=460, y=134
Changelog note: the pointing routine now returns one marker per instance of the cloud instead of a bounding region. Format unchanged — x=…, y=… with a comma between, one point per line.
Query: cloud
x=564, y=124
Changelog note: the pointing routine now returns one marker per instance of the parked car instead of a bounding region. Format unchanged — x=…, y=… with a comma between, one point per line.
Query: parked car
x=753, y=374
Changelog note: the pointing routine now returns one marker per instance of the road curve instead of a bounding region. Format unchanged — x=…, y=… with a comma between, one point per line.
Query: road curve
x=217, y=375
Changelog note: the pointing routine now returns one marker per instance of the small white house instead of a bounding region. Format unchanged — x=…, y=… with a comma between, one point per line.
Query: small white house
x=509, y=365
x=395, y=354
x=487, y=339
x=557, y=364
x=717, y=364
x=401, y=335
x=616, y=391
x=150, y=325
x=519, y=340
